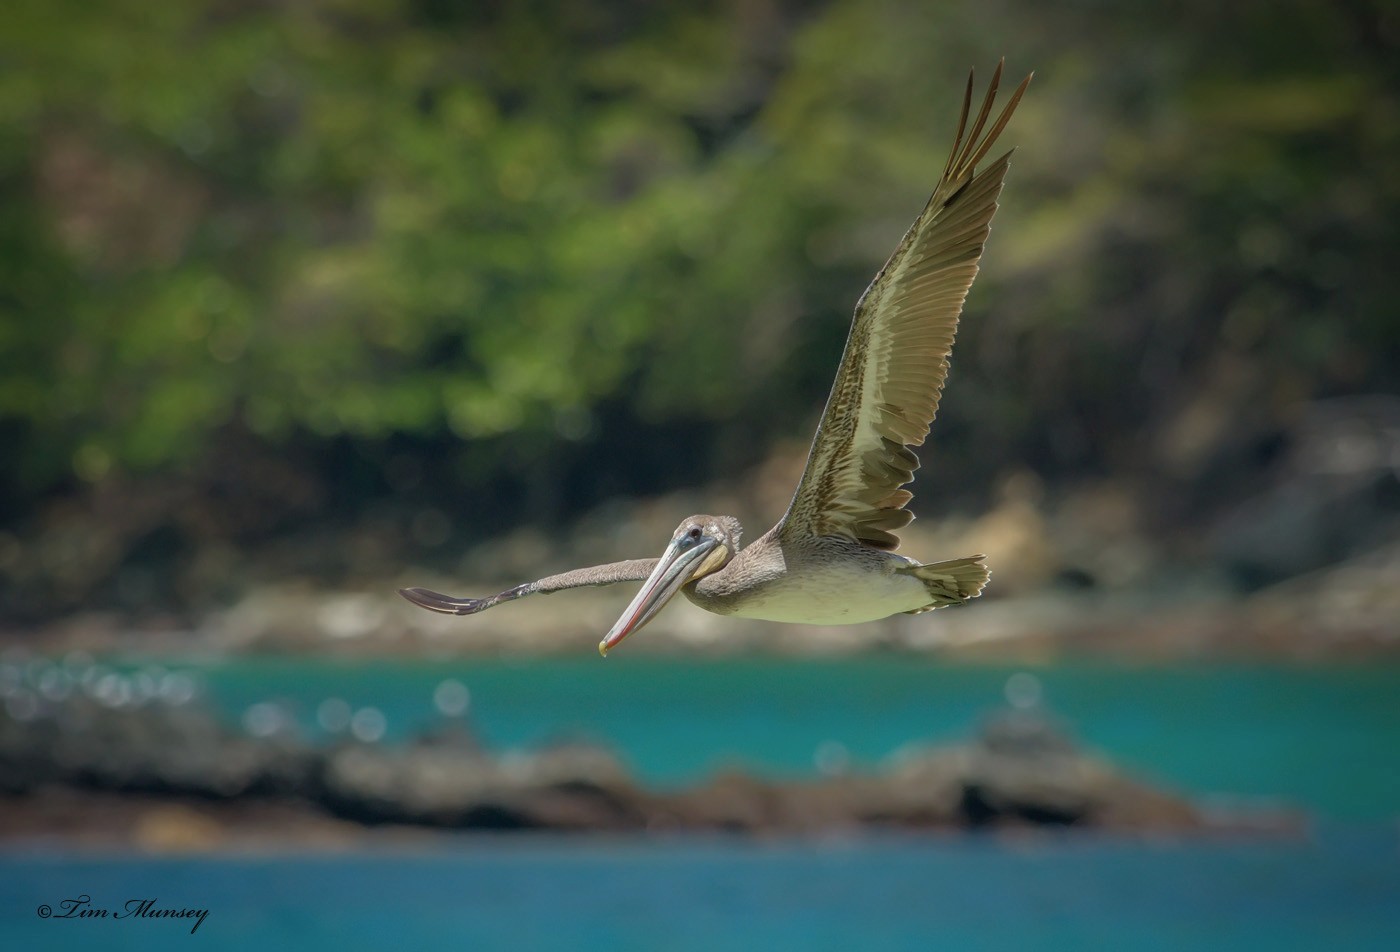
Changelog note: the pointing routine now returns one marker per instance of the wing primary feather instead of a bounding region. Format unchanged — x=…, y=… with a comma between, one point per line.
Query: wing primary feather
x=1000, y=124
x=982, y=114
x=962, y=124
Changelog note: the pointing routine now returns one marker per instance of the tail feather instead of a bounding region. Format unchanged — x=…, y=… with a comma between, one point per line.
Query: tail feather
x=952, y=582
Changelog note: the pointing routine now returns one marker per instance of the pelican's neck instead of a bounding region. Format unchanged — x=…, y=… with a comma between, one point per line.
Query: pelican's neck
x=758, y=563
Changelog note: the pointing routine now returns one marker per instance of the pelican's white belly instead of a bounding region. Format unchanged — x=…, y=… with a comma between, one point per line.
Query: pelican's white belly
x=835, y=597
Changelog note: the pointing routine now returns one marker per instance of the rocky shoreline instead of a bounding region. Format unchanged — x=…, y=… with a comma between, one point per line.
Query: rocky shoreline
x=1342, y=613
x=172, y=776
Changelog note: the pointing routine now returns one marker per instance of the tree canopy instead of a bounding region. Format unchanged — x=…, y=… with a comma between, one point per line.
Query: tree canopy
x=504, y=233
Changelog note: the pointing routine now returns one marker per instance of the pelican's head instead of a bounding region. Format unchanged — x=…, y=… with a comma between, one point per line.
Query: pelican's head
x=699, y=546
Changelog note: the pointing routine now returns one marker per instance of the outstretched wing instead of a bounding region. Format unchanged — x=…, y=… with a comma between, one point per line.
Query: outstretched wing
x=896, y=358
x=633, y=570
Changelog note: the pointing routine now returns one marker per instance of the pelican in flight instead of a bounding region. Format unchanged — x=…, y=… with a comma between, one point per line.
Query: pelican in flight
x=831, y=559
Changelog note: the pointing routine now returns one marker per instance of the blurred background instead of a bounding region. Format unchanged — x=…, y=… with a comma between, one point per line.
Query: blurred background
x=304, y=302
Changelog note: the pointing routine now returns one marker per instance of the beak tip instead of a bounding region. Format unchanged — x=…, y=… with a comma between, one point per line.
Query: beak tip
x=603, y=648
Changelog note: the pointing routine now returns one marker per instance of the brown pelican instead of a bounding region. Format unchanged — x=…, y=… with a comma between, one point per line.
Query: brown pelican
x=830, y=560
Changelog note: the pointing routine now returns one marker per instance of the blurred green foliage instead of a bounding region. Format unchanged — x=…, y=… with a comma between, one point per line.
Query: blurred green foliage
x=359, y=219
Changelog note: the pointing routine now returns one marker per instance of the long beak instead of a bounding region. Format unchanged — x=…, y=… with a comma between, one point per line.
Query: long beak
x=676, y=568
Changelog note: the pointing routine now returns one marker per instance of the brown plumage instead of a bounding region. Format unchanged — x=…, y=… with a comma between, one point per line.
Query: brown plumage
x=633, y=570
x=896, y=358
x=831, y=559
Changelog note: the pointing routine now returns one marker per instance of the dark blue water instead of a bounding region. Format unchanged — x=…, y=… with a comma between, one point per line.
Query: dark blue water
x=1341, y=891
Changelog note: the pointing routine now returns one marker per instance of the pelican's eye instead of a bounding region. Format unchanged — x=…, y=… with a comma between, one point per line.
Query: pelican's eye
x=694, y=533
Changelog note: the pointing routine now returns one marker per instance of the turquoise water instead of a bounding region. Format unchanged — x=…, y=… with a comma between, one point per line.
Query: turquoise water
x=966, y=893
x=1321, y=738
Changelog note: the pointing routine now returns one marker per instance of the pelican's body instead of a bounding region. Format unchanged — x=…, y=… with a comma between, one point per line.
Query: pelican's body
x=830, y=560
x=814, y=581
